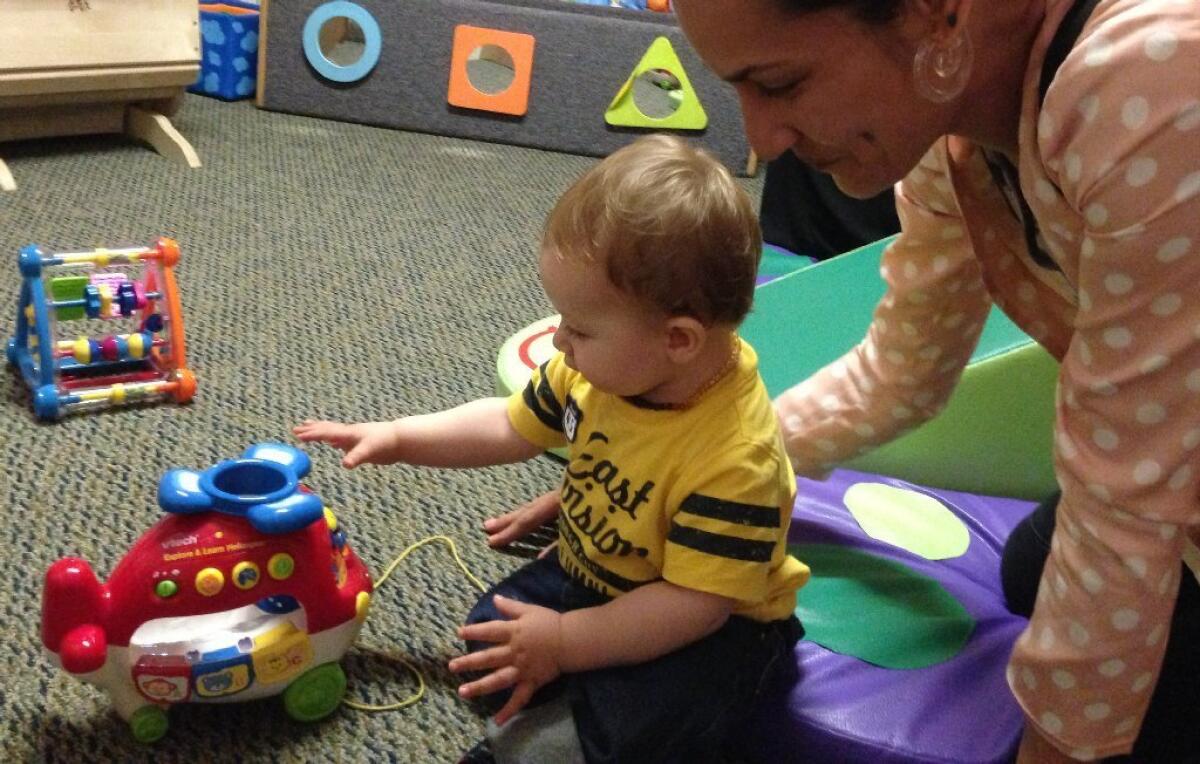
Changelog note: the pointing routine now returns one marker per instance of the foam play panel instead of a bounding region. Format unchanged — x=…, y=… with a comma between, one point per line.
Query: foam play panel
x=688, y=112
x=953, y=637
x=406, y=54
x=513, y=98
x=994, y=436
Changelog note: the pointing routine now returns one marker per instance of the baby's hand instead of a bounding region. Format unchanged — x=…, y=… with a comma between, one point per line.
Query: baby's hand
x=522, y=521
x=364, y=443
x=525, y=655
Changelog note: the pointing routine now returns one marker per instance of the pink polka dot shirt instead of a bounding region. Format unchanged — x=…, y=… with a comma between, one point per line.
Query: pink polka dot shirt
x=1110, y=168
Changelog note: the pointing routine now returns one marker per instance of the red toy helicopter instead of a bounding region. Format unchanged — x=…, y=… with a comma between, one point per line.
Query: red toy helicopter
x=246, y=589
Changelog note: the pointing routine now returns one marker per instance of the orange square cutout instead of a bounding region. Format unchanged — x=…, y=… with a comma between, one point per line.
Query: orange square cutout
x=513, y=99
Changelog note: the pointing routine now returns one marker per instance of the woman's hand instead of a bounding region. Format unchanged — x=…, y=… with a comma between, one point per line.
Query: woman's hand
x=364, y=443
x=525, y=656
x=522, y=521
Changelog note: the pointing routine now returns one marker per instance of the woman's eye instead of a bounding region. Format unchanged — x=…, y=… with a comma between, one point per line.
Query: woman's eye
x=776, y=90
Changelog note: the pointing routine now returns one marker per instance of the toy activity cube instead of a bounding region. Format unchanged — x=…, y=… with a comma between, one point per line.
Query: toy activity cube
x=137, y=286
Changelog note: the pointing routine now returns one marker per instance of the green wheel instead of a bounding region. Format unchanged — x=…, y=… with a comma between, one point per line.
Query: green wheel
x=317, y=693
x=148, y=724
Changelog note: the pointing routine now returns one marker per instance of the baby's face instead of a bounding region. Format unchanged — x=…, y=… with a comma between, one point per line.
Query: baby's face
x=617, y=343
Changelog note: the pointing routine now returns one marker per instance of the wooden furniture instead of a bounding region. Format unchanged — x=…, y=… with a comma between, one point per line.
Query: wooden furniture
x=76, y=67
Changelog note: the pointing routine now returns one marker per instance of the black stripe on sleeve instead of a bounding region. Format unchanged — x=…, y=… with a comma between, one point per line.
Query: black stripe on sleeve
x=546, y=393
x=752, y=515
x=721, y=546
x=541, y=401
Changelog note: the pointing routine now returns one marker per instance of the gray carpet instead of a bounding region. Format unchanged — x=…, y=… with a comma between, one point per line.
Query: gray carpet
x=328, y=270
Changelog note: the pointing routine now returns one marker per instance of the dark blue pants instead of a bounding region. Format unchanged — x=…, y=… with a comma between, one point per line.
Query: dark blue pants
x=680, y=707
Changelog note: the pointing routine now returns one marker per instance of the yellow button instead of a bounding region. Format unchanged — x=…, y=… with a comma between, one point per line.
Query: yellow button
x=210, y=581
x=245, y=575
x=281, y=566
x=362, y=603
x=330, y=519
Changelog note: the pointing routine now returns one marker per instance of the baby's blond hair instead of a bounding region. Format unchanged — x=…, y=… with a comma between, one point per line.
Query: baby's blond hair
x=669, y=224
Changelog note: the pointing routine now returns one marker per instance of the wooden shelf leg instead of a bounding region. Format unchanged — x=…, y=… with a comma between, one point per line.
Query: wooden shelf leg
x=7, y=183
x=157, y=130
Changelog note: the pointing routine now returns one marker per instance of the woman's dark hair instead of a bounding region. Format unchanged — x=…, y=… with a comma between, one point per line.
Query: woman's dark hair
x=876, y=12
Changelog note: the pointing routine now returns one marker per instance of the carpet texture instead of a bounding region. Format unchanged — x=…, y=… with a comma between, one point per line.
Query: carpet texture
x=328, y=270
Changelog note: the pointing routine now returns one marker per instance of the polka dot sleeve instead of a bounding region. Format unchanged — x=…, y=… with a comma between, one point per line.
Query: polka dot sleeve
x=1119, y=137
x=921, y=336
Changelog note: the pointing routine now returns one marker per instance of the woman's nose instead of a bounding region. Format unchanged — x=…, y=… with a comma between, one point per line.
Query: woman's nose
x=767, y=133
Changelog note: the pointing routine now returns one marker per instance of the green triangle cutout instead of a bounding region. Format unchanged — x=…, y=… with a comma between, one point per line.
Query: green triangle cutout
x=623, y=112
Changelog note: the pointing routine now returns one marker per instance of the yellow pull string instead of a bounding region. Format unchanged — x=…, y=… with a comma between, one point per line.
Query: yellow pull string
x=449, y=542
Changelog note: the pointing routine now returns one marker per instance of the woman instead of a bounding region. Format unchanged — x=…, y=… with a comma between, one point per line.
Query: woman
x=1078, y=212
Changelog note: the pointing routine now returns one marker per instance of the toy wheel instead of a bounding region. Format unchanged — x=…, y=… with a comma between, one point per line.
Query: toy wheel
x=317, y=693
x=148, y=724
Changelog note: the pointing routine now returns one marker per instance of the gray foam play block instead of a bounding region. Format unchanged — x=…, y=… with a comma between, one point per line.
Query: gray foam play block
x=583, y=55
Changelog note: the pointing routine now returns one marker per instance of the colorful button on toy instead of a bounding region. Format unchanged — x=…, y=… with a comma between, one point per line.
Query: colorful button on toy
x=245, y=575
x=166, y=589
x=281, y=566
x=330, y=519
x=210, y=581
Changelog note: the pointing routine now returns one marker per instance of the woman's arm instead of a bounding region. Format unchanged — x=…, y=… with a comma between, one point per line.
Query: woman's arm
x=920, y=339
x=1127, y=423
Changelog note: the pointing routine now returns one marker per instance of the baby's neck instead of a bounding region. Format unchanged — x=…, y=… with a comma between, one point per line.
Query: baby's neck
x=713, y=364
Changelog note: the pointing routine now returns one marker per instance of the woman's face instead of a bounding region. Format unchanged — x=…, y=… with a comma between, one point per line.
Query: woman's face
x=834, y=90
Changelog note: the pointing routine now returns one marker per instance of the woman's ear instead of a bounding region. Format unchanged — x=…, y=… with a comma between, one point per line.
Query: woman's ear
x=685, y=338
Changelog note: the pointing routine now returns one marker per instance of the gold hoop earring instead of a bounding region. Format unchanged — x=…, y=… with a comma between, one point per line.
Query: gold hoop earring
x=942, y=67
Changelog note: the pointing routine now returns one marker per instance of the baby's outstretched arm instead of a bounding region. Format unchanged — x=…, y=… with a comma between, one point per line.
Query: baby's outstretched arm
x=475, y=434
x=363, y=443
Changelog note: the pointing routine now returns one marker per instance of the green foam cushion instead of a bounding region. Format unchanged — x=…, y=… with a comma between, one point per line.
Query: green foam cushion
x=878, y=610
x=994, y=437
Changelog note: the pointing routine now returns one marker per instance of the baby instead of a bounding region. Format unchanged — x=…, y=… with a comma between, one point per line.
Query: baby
x=668, y=603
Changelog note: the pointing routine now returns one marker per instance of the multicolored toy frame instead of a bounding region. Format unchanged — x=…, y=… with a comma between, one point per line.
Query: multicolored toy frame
x=85, y=374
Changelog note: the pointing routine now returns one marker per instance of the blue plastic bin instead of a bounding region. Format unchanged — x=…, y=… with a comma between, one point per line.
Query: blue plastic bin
x=229, y=50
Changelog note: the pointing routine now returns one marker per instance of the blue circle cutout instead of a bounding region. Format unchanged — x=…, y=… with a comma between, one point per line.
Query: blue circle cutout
x=372, y=39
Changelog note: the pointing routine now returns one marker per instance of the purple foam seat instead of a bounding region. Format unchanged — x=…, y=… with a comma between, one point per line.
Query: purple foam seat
x=841, y=709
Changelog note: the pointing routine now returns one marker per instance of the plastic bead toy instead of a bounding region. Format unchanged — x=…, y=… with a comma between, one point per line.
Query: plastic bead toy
x=245, y=589
x=145, y=364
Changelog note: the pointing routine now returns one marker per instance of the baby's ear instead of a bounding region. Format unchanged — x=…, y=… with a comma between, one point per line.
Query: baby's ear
x=685, y=338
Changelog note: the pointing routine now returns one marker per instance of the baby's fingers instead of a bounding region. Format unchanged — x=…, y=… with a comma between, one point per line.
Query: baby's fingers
x=493, y=657
x=521, y=695
x=309, y=430
x=488, y=631
x=494, y=682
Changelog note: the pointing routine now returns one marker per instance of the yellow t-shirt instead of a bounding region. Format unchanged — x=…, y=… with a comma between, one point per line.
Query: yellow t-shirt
x=700, y=497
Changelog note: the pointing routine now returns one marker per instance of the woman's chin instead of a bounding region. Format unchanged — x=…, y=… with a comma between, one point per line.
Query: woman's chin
x=859, y=185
